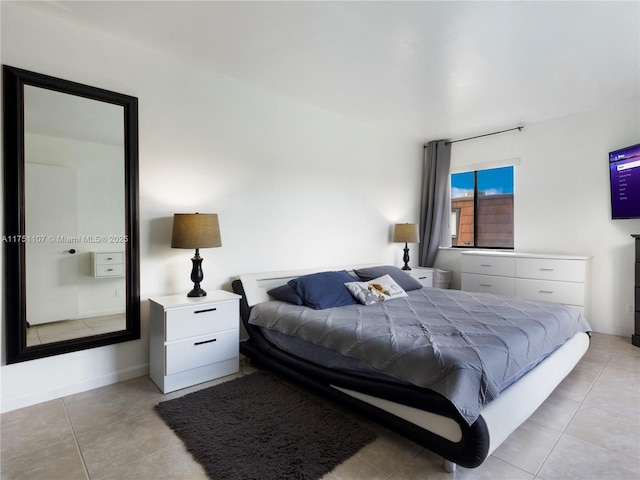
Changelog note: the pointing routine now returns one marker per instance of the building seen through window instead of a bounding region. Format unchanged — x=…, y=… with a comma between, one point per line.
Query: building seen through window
x=482, y=208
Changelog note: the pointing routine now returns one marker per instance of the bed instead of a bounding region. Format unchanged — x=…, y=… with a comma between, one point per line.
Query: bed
x=456, y=372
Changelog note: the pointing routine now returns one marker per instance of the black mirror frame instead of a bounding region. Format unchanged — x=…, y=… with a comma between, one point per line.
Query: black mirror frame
x=14, y=80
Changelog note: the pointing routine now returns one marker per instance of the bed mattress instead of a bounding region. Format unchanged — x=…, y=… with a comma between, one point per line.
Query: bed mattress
x=466, y=346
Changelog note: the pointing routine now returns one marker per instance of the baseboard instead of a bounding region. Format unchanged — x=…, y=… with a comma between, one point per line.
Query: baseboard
x=20, y=401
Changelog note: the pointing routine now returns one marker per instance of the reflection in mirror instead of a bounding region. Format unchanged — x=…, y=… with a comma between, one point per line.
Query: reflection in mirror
x=70, y=216
x=74, y=204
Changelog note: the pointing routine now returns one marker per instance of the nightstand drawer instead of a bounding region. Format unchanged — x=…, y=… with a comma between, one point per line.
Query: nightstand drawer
x=489, y=265
x=115, y=270
x=196, y=352
x=423, y=275
x=196, y=320
x=109, y=258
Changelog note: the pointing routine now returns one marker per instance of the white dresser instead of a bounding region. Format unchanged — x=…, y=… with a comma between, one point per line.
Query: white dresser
x=555, y=278
x=193, y=340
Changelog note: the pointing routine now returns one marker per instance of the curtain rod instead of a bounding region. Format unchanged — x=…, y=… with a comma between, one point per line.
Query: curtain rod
x=485, y=135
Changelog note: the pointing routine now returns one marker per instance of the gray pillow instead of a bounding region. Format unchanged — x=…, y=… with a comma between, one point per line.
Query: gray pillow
x=402, y=278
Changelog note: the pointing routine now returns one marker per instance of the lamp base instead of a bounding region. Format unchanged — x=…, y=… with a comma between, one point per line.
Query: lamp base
x=197, y=276
x=405, y=258
x=197, y=292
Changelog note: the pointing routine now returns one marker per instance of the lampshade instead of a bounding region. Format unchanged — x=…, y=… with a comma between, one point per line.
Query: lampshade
x=406, y=233
x=195, y=230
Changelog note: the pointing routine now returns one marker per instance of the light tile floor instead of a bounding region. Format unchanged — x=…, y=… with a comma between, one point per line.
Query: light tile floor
x=589, y=428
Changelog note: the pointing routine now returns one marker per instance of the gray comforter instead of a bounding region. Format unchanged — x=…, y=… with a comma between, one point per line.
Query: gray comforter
x=465, y=346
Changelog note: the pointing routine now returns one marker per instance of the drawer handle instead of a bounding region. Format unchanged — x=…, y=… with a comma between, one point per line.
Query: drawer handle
x=547, y=269
x=486, y=265
x=109, y=269
x=485, y=284
x=546, y=291
x=207, y=310
x=205, y=341
x=422, y=278
x=109, y=258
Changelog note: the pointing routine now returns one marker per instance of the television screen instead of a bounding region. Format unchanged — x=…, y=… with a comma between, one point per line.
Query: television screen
x=624, y=170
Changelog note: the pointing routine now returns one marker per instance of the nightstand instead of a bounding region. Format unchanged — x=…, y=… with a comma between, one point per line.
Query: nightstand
x=193, y=340
x=423, y=275
x=107, y=264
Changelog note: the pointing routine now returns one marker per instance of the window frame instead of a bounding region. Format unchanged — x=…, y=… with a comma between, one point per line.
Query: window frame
x=447, y=237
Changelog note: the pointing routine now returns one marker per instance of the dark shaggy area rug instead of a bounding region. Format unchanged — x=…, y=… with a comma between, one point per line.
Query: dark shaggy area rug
x=259, y=427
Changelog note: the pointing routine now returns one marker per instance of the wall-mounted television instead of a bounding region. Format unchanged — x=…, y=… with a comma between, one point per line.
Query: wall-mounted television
x=624, y=172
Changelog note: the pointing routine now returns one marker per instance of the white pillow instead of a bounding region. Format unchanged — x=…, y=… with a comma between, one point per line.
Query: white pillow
x=375, y=291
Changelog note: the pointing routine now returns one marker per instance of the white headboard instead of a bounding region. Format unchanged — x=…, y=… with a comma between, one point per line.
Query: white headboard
x=256, y=285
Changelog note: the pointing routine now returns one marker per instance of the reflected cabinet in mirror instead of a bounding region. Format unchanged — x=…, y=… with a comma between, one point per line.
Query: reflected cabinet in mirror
x=70, y=216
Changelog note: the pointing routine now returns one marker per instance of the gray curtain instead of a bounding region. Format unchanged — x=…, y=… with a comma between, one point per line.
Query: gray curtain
x=437, y=160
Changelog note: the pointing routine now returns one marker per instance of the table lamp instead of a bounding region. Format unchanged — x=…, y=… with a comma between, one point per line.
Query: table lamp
x=196, y=230
x=406, y=233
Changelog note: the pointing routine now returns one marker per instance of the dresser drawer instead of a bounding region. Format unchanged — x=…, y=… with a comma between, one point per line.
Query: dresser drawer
x=205, y=350
x=194, y=320
x=488, y=284
x=551, y=269
x=559, y=292
x=489, y=265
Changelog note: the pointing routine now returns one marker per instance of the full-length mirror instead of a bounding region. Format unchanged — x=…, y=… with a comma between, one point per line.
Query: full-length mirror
x=70, y=237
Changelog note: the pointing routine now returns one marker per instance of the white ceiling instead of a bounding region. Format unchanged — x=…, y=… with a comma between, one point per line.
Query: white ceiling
x=426, y=69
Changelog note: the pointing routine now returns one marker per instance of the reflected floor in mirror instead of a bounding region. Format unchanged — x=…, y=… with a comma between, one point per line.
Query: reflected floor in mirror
x=76, y=328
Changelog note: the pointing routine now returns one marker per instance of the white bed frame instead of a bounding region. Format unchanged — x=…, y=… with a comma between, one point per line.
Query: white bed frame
x=502, y=416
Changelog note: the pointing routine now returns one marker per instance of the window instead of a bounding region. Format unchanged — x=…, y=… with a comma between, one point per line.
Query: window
x=482, y=208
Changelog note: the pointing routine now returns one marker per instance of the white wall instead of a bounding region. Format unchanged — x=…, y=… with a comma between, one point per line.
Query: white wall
x=294, y=185
x=297, y=186
x=562, y=200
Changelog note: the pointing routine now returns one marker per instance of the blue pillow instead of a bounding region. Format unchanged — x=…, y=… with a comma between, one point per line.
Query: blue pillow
x=402, y=278
x=286, y=294
x=324, y=290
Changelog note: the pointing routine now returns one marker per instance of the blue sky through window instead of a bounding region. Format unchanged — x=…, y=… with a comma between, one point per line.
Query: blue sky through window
x=492, y=181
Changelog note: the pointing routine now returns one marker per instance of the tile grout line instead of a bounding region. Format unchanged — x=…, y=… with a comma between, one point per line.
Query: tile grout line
x=75, y=438
x=407, y=463
x=563, y=431
x=88, y=476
